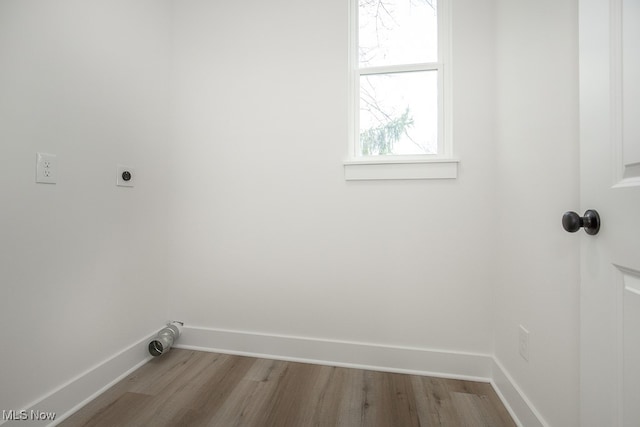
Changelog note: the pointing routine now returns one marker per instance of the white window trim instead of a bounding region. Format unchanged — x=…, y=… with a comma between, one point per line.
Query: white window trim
x=441, y=166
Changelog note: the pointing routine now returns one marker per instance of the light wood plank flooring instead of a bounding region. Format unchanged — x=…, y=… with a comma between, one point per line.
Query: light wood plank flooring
x=191, y=388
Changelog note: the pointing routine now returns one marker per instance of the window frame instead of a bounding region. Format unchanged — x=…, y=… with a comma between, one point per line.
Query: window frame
x=426, y=166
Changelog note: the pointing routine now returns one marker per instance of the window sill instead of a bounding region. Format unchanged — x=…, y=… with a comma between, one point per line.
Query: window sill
x=387, y=169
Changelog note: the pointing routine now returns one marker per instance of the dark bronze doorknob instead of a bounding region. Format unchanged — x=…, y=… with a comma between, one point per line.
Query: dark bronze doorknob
x=572, y=222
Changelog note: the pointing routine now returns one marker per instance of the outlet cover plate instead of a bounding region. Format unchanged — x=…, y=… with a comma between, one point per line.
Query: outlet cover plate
x=46, y=168
x=523, y=342
x=120, y=179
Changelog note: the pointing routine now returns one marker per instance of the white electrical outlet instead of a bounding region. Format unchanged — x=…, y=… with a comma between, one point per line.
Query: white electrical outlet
x=125, y=176
x=46, y=168
x=523, y=342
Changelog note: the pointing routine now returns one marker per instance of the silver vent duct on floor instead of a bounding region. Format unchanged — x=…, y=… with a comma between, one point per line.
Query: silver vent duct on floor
x=165, y=338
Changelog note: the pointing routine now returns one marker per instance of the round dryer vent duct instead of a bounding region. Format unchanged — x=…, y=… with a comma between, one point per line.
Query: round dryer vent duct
x=165, y=338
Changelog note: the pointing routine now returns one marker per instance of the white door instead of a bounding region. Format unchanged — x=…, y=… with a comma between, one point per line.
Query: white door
x=610, y=184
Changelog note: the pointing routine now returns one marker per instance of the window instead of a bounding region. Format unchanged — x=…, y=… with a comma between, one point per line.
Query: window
x=398, y=95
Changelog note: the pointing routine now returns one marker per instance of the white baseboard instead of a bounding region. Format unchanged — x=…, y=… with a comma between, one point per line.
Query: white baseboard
x=436, y=363
x=516, y=402
x=71, y=396
x=418, y=361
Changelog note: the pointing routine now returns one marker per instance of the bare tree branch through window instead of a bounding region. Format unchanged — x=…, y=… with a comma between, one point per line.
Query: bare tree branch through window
x=393, y=32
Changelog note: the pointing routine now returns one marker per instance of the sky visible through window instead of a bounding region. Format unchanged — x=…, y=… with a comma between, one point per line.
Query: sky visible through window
x=398, y=111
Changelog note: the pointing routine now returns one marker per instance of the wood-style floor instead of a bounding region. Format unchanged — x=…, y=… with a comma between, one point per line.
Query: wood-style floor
x=191, y=388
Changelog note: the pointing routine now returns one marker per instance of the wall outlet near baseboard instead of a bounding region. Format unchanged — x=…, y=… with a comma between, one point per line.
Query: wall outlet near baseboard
x=523, y=342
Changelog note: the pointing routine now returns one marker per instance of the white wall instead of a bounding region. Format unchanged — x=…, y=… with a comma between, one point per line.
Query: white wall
x=268, y=237
x=537, y=262
x=81, y=261
x=241, y=207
